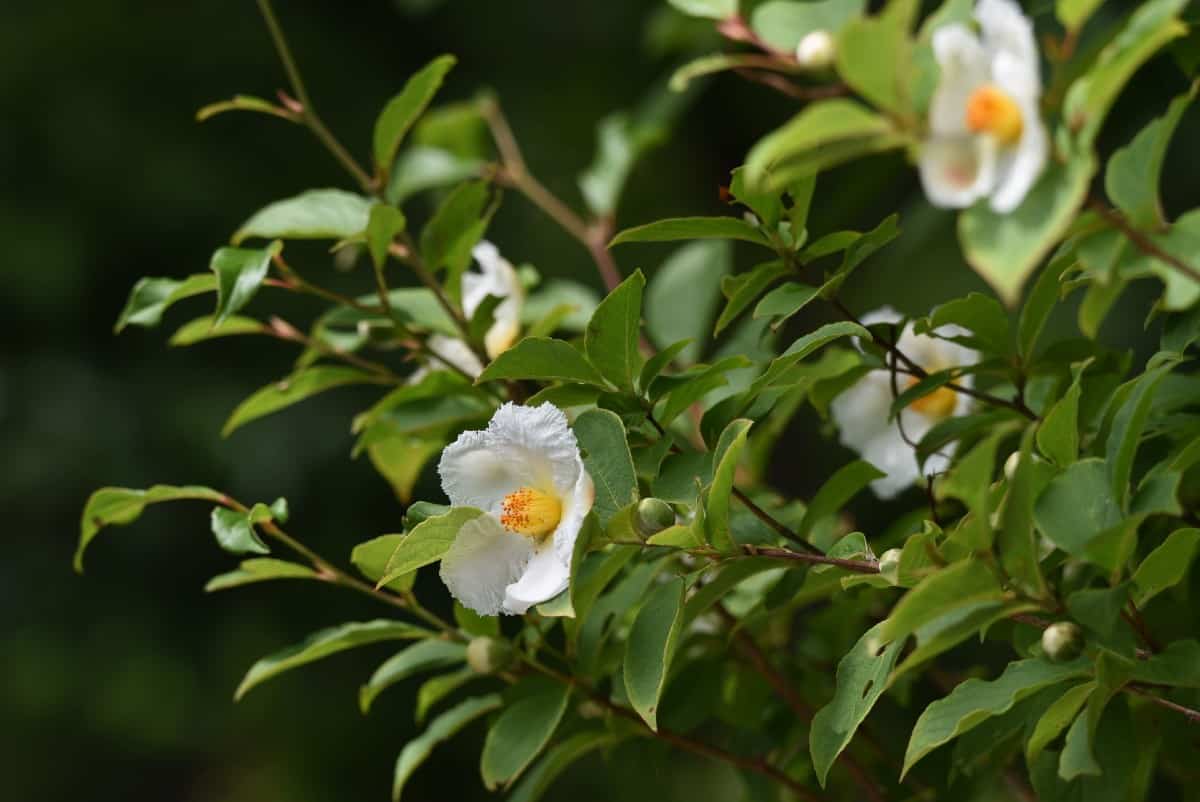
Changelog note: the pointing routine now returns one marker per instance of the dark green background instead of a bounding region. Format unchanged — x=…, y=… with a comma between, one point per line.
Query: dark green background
x=117, y=685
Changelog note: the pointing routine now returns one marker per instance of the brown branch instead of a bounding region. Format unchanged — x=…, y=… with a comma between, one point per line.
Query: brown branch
x=1139, y=239
x=282, y=330
x=784, y=86
x=857, y=566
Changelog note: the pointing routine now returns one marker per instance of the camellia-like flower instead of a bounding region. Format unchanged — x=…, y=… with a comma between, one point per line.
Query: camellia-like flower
x=986, y=138
x=525, y=472
x=861, y=412
x=496, y=277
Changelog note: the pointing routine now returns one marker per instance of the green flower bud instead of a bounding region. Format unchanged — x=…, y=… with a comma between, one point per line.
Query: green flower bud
x=653, y=515
x=1062, y=641
x=488, y=655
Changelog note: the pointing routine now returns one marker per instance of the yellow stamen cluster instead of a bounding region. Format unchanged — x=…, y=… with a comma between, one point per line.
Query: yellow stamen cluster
x=529, y=511
x=937, y=405
x=992, y=110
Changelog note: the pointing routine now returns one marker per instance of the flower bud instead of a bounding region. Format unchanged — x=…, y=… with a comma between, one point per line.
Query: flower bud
x=488, y=655
x=652, y=516
x=816, y=50
x=1062, y=641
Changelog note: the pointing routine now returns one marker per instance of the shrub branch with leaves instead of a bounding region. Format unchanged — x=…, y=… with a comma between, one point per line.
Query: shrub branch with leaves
x=606, y=486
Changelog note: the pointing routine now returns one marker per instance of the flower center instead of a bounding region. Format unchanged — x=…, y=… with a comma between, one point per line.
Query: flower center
x=993, y=111
x=937, y=405
x=529, y=511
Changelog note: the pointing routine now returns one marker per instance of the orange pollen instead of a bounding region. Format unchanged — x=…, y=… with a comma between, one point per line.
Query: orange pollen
x=529, y=511
x=937, y=405
x=991, y=110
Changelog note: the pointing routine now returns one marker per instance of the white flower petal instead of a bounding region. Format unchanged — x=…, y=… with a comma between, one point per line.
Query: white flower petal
x=888, y=452
x=964, y=66
x=521, y=447
x=544, y=577
x=575, y=508
x=484, y=560
x=1022, y=166
x=447, y=349
x=496, y=277
x=860, y=412
x=956, y=172
x=1008, y=33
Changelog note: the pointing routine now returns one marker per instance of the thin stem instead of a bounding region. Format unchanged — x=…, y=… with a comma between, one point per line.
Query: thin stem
x=293, y=281
x=911, y=368
x=761, y=664
x=1192, y=715
x=514, y=172
x=782, y=85
x=280, y=329
x=774, y=523
x=308, y=114
x=857, y=566
x=1142, y=242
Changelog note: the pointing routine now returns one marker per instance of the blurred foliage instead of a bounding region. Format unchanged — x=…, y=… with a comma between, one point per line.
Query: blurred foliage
x=118, y=685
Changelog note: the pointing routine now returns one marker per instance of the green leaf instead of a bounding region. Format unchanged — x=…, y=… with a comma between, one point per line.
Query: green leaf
x=239, y=273
x=974, y=701
x=115, y=506
x=785, y=301
x=691, y=228
x=845, y=483
x=293, y=389
x=426, y=655
x=427, y=542
x=543, y=359
x=1073, y=13
x=325, y=642
x=720, y=495
x=970, y=482
x=706, y=379
x=435, y=689
x=778, y=370
x=422, y=167
x=205, y=328
x=874, y=56
x=783, y=23
x=314, y=214
x=611, y=339
x=1058, y=433
x=259, y=569
x=401, y=459
x=403, y=110
x=1056, y=718
x=828, y=123
x=1090, y=97
x=1017, y=540
x=1005, y=248
x=235, y=533
x=520, y=734
x=861, y=679
x=457, y=226
x=1166, y=566
x=535, y=784
x=243, y=103
x=150, y=297
x=959, y=585
x=1077, y=506
x=1132, y=176
x=981, y=315
x=711, y=9
x=657, y=363
x=744, y=289
x=371, y=559
x=1126, y=432
x=416, y=751
x=1038, y=306
x=1178, y=666
x=694, y=271
x=602, y=436
x=650, y=648
x=383, y=225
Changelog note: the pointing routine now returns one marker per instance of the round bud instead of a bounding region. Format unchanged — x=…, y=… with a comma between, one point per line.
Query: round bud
x=589, y=709
x=653, y=515
x=816, y=50
x=1062, y=641
x=488, y=655
x=1010, y=465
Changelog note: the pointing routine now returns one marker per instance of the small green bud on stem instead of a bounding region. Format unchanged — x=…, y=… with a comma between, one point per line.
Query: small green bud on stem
x=1062, y=641
x=489, y=655
x=653, y=515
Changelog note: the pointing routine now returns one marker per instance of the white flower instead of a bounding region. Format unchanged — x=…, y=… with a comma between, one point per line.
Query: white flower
x=816, y=50
x=861, y=412
x=496, y=277
x=524, y=471
x=986, y=138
